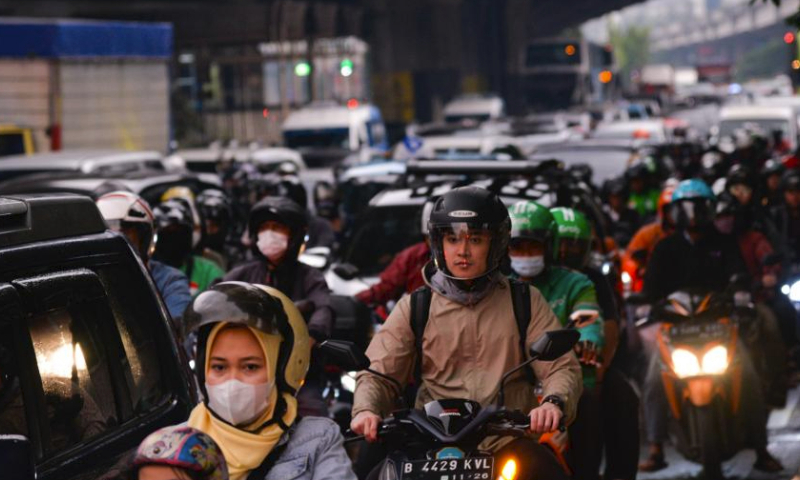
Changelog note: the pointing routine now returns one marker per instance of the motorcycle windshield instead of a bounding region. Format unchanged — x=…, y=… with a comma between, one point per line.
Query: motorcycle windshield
x=451, y=416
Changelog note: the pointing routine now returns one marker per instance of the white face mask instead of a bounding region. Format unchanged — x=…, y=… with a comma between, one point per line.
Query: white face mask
x=237, y=402
x=527, y=267
x=272, y=244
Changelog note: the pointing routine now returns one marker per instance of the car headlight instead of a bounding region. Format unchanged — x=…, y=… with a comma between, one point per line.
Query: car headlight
x=715, y=361
x=685, y=363
x=794, y=292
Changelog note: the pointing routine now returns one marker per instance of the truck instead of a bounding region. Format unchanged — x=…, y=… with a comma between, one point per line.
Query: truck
x=78, y=84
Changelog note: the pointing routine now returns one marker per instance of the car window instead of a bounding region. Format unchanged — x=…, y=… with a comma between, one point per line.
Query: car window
x=128, y=305
x=73, y=367
x=12, y=406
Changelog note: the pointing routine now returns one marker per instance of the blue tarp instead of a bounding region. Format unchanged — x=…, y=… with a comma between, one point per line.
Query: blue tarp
x=84, y=38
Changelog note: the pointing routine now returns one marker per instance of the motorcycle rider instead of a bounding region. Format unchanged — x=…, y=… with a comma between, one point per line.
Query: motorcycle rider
x=277, y=228
x=697, y=257
x=404, y=274
x=253, y=354
x=643, y=194
x=470, y=303
x=624, y=220
x=616, y=397
x=769, y=350
x=129, y=214
x=217, y=216
x=533, y=251
x=174, y=229
x=771, y=175
x=786, y=217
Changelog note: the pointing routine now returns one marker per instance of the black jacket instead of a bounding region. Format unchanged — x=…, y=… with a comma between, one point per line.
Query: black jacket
x=298, y=282
x=677, y=264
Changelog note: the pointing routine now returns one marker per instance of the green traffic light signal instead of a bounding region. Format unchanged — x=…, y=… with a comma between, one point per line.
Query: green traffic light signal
x=346, y=67
x=302, y=69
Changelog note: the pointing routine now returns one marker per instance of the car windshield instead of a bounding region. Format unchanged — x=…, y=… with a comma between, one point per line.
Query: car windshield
x=606, y=163
x=380, y=234
x=332, y=138
x=766, y=126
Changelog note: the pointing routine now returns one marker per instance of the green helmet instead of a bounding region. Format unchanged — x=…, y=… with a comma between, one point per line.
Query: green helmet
x=575, y=234
x=532, y=221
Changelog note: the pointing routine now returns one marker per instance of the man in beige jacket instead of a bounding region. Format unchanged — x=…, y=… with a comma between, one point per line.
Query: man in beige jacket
x=471, y=338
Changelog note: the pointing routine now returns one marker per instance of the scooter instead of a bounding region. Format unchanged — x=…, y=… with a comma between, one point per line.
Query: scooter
x=442, y=440
x=697, y=342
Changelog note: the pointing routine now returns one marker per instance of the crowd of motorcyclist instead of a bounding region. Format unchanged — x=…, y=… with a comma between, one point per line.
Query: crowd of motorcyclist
x=252, y=316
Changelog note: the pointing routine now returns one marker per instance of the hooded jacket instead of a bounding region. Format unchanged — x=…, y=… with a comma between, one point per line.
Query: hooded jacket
x=467, y=347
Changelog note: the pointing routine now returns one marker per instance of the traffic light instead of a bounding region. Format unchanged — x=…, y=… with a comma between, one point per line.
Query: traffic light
x=346, y=67
x=302, y=69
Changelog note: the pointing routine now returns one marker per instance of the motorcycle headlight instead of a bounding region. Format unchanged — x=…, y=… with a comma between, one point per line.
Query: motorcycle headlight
x=794, y=292
x=685, y=363
x=349, y=381
x=715, y=361
x=626, y=277
x=509, y=471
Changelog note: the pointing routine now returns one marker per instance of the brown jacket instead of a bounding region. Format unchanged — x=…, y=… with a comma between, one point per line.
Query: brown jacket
x=466, y=351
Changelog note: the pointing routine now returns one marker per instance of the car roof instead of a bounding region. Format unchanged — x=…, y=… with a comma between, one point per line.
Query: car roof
x=241, y=154
x=745, y=112
x=34, y=218
x=136, y=182
x=75, y=159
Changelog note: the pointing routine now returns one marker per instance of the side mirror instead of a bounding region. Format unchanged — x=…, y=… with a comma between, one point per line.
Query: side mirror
x=16, y=457
x=345, y=355
x=346, y=271
x=553, y=345
x=317, y=257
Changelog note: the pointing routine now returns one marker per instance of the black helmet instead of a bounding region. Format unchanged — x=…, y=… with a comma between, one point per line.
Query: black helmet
x=216, y=215
x=259, y=307
x=174, y=228
x=637, y=170
x=284, y=211
x=727, y=204
x=173, y=212
x=615, y=186
x=791, y=180
x=772, y=167
x=326, y=201
x=473, y=208
x=739, y=175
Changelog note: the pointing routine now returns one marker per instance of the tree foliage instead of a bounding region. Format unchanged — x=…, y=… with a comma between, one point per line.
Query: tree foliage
x=631, y=48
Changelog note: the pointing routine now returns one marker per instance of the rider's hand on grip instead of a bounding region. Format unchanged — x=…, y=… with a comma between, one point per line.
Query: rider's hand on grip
x=545, y=418
x=366, y=423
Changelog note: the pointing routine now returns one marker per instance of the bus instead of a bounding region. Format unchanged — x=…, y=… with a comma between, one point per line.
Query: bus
x=561, y=72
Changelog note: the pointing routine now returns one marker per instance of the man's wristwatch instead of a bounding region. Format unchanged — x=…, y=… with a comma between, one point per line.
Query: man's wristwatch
x=555, y=400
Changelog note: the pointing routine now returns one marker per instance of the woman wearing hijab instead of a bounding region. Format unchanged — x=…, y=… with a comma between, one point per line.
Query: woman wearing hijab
x=253, y=353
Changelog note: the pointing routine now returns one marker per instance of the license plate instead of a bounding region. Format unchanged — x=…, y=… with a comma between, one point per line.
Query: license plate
x=480, y=468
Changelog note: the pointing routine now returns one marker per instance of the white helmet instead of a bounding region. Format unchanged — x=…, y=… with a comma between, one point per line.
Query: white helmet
x=427, y=208
x=125, y=212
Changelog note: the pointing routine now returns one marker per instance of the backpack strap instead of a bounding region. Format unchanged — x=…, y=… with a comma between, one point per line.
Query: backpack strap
x=521, y=301
x=420, y=310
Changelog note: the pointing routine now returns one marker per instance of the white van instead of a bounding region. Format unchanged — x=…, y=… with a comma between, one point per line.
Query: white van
x=767, y=118
x=325, y=133
x=477, y=108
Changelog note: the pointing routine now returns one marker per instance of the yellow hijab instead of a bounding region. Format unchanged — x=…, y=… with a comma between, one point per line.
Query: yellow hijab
x=244, y=450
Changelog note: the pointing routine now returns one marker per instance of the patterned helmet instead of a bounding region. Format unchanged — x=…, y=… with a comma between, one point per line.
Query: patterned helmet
x=185, y=448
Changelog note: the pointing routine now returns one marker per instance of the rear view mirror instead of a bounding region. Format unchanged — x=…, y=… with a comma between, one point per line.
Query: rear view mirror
x=346, y=271
x=553, y=345
x=16, y=457
x=345, y=355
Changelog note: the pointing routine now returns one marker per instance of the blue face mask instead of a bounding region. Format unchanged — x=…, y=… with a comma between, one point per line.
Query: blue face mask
x=527, y=267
